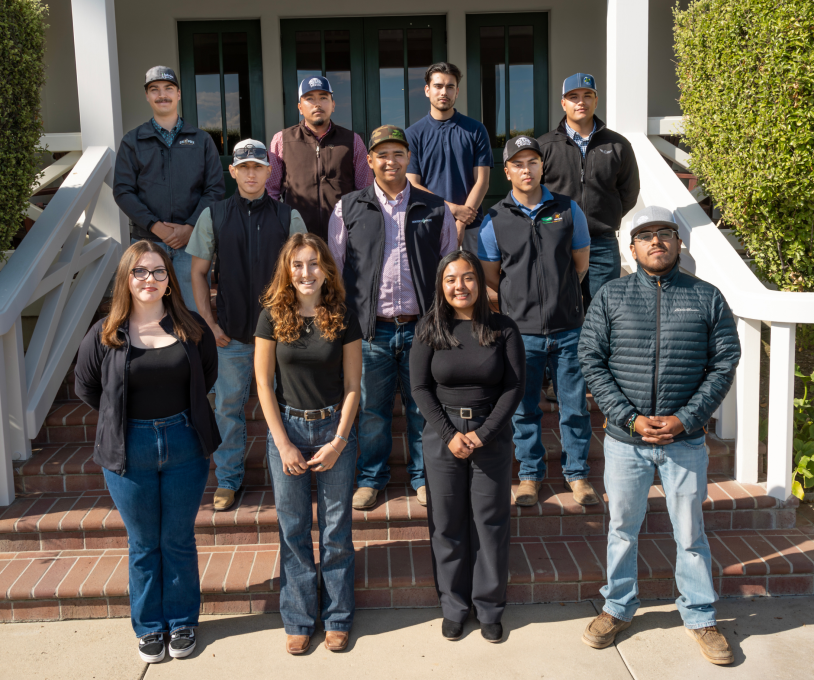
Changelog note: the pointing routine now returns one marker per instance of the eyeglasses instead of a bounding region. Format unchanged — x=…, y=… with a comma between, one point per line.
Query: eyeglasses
x=663, y=234
x=250, y=151
x=143, y=274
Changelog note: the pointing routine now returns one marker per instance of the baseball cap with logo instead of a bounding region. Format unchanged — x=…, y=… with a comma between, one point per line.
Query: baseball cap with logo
x=387, y=133
x=521, y=143
x=161, y=73
x=315, y=83
x=577, y=81
x=250, y=150
x=652, y=216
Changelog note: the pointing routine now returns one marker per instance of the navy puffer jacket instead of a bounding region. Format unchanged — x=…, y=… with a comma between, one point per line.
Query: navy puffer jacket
x=658, y=345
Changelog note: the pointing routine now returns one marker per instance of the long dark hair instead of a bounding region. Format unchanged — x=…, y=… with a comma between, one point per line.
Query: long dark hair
x=435, y=329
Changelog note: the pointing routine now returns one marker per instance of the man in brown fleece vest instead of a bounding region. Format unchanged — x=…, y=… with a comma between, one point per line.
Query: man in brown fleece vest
x=315, y=163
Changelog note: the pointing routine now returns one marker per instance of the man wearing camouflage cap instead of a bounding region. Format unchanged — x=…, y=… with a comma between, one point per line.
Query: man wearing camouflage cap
x=387, y=240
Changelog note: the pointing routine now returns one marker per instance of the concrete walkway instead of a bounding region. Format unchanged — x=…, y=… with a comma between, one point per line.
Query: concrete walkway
x=771, y=637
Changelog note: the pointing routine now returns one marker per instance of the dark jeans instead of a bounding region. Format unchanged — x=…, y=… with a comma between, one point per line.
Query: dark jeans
x=158, y=497
x=605, y=265
x=469, y=513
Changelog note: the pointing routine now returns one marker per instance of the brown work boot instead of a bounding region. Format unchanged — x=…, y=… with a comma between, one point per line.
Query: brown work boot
x=336, y=640
x=713, y=645
x=601, y=632
x=365, y=498
x=224, y=499
x=527, y=492
x=421, y=493
x=584, y=493
x=297, y=644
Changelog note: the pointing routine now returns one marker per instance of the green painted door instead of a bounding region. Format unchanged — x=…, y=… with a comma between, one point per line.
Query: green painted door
x=222, y=83
x=507, y=67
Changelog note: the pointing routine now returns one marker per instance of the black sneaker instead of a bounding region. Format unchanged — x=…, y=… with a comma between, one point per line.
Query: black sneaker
x=182, y=643
x=151, y=647
x=451, y=630
x=492, y=632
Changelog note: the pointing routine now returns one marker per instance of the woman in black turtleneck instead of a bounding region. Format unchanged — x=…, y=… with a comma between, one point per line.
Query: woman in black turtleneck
x=467, y=371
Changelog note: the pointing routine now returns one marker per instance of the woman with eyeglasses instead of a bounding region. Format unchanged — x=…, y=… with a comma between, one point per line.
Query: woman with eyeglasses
x=467, y=371
x=312, y=343
x=147, y=368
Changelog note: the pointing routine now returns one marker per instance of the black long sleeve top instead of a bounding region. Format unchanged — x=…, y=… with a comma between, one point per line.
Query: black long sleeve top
x=470, y=376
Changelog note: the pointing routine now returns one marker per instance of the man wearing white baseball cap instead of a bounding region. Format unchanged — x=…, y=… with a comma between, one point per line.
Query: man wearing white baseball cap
x=316, y=162
x=247, y=231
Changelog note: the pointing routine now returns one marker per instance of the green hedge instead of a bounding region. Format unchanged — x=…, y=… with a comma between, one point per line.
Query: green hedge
x=746, y=75
x=22, y=46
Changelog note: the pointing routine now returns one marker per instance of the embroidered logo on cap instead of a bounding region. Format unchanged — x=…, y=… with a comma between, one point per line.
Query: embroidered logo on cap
x=314, y=82
x=642, y=220
x=588, y=80
x=523, y=141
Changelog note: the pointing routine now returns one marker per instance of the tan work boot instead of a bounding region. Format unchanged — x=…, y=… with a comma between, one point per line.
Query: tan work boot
x=601, y=632
x=297, y=644
x=527, y=492
x=584, y=493
x=224, y=499
x=713, y=645
x=421, y=493
x=336, y=640
x=365, y=498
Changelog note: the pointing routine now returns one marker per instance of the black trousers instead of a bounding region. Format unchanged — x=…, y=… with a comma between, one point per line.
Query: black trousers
x=469, y=508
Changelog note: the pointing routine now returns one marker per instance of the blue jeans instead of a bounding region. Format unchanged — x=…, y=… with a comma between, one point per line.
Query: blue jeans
x=629, y=472
x=158, y=497
x=182, y=264
x=235, y=372
x=605, y=265
x=386, y=363
x=292, y=497
x=558, y=351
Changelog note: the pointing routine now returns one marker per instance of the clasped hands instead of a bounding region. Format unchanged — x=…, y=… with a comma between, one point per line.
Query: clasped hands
x=463, y=445
x=294, y=463
x=659, y=429
x=174, y=235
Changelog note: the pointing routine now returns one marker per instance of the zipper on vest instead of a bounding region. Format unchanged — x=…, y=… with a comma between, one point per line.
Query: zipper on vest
x=658, y=346
x=540, y=287
x=319, y=184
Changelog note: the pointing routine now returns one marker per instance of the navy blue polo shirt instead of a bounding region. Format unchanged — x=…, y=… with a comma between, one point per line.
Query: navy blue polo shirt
x=445, y=154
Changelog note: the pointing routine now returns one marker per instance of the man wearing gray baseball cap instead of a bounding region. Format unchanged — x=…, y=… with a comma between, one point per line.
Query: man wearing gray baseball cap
x=658, y=350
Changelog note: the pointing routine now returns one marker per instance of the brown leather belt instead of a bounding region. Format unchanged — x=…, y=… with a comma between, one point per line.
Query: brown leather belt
x=398, y=320
x=316, y=414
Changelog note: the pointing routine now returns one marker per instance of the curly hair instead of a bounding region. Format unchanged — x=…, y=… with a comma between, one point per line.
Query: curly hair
x=280, y=297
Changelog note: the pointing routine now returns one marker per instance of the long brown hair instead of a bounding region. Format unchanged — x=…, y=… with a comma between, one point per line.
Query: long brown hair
x=280, y=297
x=183, y=322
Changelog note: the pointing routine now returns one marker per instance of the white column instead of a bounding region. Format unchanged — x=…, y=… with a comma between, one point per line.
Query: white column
x=456, y=51
x=747, y=392
x=100, y=102
x=14, y=442
x=627, y=28
x=781, y=401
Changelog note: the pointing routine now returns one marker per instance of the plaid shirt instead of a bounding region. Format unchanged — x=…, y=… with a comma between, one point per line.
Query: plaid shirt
x=168, y=135
x=579, y=141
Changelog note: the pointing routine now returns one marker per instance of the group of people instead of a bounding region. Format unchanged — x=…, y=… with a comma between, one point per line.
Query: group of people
x=346, y=271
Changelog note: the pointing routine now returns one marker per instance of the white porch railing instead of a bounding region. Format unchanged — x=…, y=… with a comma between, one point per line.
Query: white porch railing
x=69, y=143
x=709, y=255
x=67, y=260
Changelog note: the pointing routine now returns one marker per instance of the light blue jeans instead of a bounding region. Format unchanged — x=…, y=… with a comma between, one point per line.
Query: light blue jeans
x=235, y=371
x=299, y=601
x=629, y=473
x=182, y=264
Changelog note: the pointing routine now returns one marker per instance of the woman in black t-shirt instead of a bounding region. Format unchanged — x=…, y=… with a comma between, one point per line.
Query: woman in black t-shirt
x=467, y=372
x=312, y=344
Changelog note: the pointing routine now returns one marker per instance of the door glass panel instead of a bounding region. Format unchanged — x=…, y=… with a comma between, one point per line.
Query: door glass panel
x=391, y=76
x=521, y=81
x=337, y=70
x=309, y=55
x=419, y=59
x=236, y=86
x=207, y=86
x=493, y=82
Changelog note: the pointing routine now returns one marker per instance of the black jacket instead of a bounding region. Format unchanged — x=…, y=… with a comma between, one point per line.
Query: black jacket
x=658, y=345
x=539, y=286
x=156, y=183
x=364, y=258
x=101, y=382
x=605, y=184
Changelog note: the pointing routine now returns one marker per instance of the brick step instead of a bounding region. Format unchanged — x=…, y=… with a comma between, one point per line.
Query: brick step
x=89, y=519
x=70, y=584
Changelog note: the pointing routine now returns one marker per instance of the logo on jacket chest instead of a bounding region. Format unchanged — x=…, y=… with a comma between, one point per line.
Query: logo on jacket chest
x=187, y=142
x=556, y=217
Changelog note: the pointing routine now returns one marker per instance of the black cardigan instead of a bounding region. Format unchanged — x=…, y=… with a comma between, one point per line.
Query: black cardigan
x=101, y=382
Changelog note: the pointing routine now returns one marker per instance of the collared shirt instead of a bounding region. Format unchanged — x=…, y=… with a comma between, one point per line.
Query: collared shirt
x=362, y=174
x=396, y=290
x=580, y=142
x=168, y=135
x=488, y=250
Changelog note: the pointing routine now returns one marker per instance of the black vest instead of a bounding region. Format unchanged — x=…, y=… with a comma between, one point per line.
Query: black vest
x=248, y=238
x=539, y=285
x=364, y=257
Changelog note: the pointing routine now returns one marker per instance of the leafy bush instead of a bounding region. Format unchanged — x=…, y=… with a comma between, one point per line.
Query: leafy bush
x=22, y=46
x=746, y=75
